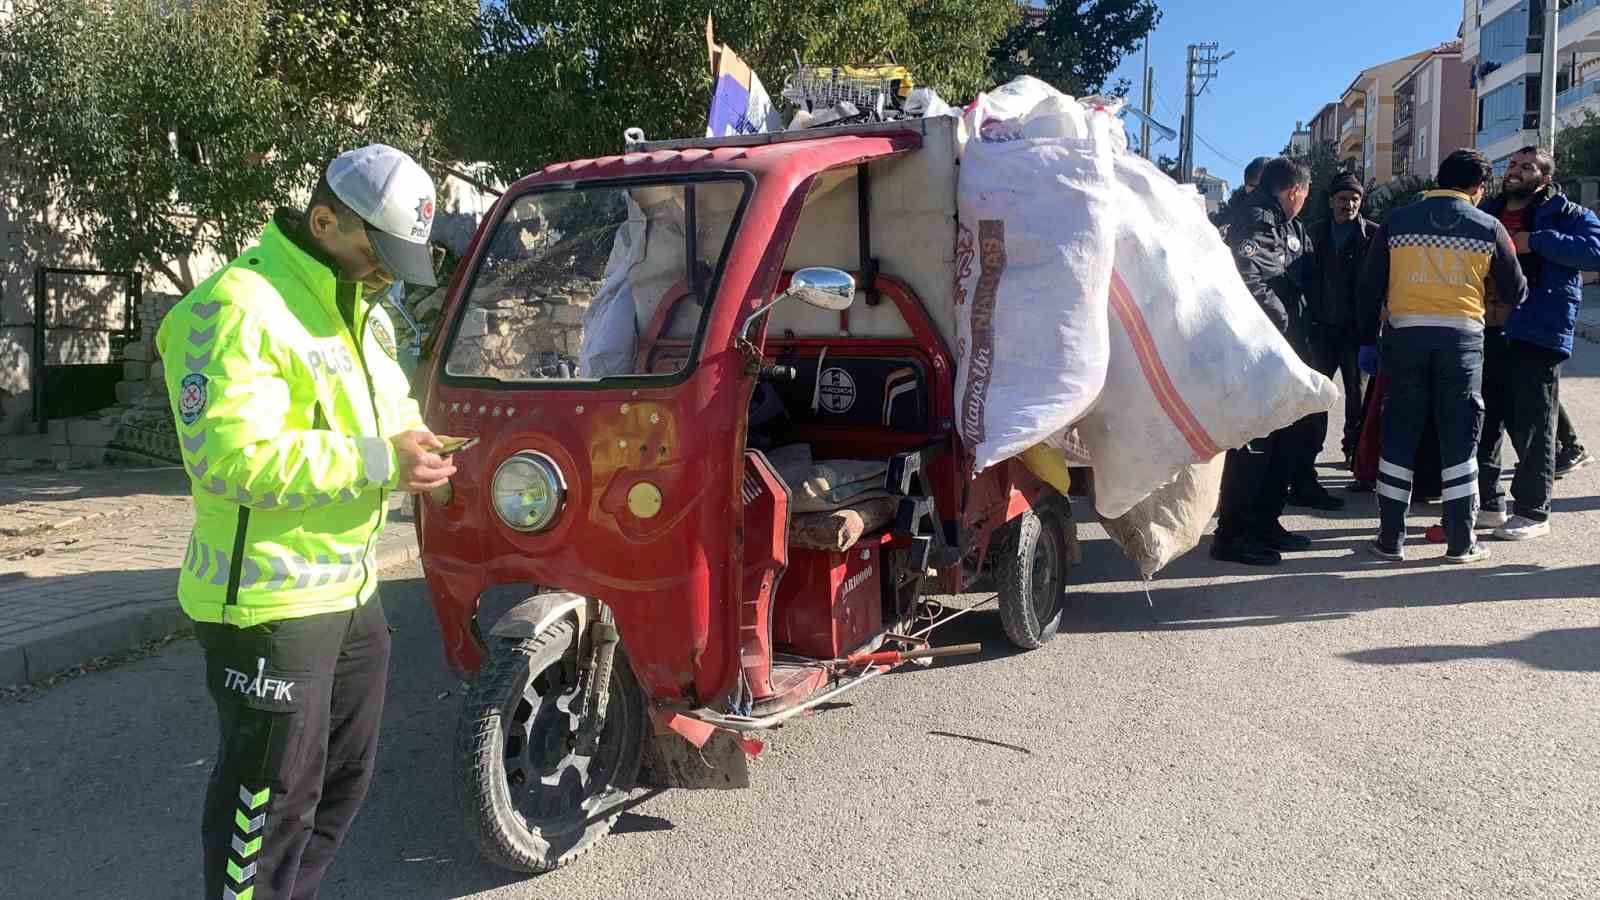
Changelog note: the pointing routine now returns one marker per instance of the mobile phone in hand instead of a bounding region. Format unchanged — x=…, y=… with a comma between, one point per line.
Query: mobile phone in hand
x=454, y=444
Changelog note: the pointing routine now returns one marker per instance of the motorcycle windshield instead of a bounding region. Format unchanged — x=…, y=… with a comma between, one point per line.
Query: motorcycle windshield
x=594, y=282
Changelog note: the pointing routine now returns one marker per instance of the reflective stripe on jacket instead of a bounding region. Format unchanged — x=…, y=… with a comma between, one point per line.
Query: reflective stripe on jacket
x=283, y=418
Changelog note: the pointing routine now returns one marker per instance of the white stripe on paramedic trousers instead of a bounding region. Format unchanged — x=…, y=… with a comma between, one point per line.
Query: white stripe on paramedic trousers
x=1459, y=492
x=1394, y=471
x=1470, y=467
x=1386, y=489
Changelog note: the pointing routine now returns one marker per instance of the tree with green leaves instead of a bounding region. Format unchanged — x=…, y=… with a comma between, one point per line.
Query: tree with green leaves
x=1578, y=148
x=1380, y=200
x=1324, y=162
x=164, y=129
x=563, y=79
x=1076, y=44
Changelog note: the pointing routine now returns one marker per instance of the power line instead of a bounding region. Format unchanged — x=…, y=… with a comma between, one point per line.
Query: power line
x=1225, y=157
x=1200, y=137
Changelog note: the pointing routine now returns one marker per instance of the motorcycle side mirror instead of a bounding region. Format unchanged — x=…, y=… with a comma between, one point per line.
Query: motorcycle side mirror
x=823, y=288
x=817, y=286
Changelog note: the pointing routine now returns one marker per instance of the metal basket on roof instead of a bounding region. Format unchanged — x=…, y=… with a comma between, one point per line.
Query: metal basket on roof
x=878, y=92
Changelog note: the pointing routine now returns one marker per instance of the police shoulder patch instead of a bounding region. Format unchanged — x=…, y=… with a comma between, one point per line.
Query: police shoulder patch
x=380, y=333
x=192, y=397
x=1248, y=248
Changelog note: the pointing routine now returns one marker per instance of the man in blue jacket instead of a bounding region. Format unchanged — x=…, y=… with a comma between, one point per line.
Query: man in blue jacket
x=1556, y=240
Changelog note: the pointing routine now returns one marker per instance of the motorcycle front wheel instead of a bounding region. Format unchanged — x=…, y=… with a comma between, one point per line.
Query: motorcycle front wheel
x=532, y=802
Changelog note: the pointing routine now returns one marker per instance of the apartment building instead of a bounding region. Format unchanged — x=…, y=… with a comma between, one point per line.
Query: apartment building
x=1367, y=118
x=1503, y=46
x=1212, y=188
x=1432, y=111
x=1324, y=126
x=1300, y=140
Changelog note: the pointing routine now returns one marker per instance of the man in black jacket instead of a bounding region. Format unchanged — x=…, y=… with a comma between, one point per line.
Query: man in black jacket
x=1270, y=247
x=1341, y=243
x=1225, y=217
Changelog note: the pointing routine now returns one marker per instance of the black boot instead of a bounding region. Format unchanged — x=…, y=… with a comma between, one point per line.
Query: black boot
x=1283, y=540
x=1315, y=497
x=1245, y=552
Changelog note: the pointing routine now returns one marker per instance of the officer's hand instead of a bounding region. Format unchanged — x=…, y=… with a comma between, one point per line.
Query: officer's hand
x=1520, y=241
x=420, y=469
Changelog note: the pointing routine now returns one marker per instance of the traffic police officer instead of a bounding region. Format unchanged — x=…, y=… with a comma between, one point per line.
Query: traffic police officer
x=1271, y=248
x=296, y=425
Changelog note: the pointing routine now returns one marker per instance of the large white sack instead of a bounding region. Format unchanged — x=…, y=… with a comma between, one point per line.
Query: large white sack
x=1034, y=255
x=1006, y=106
x=1195, y=366
x=1169, y=522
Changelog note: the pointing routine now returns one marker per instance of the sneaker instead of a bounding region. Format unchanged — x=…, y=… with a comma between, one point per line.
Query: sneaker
x=1521, y=528
x=1572, y=462
x=1398, y=554
x=1316, y=498
x=1284, y=541
x=1492, y=518
x=1476, y=553
x=1245, y=553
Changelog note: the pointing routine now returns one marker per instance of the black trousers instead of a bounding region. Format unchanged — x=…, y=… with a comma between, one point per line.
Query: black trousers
x=1255, y=480
x=1333, y=349
x=1522, y=397
x=1566, y=436
x=299, y=702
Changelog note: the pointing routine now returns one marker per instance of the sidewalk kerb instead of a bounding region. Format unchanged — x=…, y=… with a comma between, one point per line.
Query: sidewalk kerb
x=54, y=648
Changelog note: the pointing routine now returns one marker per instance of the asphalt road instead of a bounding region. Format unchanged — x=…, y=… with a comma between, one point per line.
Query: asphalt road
x=1336, y=727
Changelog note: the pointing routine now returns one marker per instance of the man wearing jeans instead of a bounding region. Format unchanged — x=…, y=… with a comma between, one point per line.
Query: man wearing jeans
x=1556, y=240
x=1431, y=267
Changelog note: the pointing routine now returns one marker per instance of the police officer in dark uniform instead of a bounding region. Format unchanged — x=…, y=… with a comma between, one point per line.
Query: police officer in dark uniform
x=1273, y=250
x=1237, y=204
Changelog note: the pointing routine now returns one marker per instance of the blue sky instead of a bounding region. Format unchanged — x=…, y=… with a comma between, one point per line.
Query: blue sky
x=1289, y=58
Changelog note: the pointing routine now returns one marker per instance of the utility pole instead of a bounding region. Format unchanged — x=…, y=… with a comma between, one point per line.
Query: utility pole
x=1202, y=66
x=1547, y=77
x=1149, y=96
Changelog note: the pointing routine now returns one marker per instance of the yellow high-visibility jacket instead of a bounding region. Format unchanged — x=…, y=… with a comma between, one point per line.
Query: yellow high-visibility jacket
x=284, y=413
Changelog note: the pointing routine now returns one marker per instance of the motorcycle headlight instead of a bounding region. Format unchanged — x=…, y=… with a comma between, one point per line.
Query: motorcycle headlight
x=528, y=491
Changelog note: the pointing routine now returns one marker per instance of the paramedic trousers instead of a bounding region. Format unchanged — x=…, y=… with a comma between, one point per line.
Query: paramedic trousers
x=1437, y=370
x=1522, y=397
x=299, y=702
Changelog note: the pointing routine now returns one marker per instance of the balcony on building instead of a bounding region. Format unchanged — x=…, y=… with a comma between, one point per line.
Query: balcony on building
x=1574, y=10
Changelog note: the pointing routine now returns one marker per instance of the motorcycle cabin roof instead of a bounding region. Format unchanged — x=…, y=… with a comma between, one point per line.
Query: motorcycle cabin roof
x=912, y=174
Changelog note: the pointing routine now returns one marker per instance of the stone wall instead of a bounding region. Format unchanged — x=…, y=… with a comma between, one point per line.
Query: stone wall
x=511, y=336
x=145, y=433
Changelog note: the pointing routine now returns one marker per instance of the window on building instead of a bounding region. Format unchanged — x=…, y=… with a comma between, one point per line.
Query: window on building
x=1421, y=91
x=1506, y=38
x=1422, y=143
x=1501, y=112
